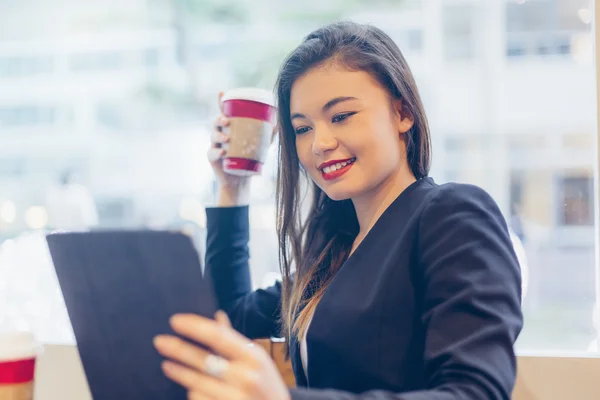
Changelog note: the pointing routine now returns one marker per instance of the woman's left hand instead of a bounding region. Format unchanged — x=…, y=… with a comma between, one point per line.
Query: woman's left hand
x=234, y=369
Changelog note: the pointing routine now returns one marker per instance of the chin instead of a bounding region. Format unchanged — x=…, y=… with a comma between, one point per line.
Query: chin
x=339, y=193
x=338, y=190
x=337, y=197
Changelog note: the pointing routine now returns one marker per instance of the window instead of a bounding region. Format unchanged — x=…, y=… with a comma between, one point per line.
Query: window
x=546, y=27
x=14, y=116
x=576, y=201
x=109, y=116
x=143, y=132
x=458, y=32
x=151, y=57
x=20, y=66
x=12, y=168
x=414, y=39
x=111, y=60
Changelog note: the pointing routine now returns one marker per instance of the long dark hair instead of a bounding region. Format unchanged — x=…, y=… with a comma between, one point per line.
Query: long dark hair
x=318, y=246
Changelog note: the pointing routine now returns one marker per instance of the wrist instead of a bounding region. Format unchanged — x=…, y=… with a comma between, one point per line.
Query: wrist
x=233, y=194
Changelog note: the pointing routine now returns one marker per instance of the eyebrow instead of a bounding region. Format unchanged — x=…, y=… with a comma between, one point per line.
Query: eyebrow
x=327, y=106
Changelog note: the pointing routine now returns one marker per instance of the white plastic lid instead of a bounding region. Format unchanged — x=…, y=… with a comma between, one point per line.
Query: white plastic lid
x=253, y=94
x=18, y=346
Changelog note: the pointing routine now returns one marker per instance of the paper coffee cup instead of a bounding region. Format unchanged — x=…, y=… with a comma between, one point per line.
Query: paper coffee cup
x=18, y=353
x=251, y=112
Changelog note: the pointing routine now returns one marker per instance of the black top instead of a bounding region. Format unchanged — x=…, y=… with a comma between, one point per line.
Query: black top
x=426, y=308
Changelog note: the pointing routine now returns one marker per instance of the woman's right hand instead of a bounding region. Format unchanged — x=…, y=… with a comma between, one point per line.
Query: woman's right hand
x=232, y=190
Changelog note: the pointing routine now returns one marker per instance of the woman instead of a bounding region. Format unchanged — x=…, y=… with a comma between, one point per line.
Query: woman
x=404, y=289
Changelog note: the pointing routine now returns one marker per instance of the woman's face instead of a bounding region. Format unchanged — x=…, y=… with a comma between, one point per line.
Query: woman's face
x=349, y=135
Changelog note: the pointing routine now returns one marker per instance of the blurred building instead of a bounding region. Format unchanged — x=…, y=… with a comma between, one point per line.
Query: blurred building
x=104, y=87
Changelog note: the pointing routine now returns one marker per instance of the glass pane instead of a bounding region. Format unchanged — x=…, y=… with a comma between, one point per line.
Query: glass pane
x=122, y=97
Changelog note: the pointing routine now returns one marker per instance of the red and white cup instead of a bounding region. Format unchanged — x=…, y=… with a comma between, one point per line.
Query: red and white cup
x=18, y=354
x=252, y=113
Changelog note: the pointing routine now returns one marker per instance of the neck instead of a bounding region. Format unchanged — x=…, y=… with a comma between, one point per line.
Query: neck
x=370, y=206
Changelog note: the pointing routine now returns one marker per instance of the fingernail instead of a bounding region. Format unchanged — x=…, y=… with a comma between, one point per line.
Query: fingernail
x=221, y=315
x=175, y=320
x=168, y=367
x=179, y=320
x=160, y=341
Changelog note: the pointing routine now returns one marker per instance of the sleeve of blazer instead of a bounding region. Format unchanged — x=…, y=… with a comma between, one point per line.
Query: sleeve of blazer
x=253, y=313
x=471, y=301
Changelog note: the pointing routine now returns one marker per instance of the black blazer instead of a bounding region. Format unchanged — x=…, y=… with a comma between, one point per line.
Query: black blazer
x=427, y=307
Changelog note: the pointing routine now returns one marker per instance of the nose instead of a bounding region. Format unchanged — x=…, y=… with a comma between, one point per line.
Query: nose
x=323, y=141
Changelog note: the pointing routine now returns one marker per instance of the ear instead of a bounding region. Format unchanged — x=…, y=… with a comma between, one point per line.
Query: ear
x=404, y=119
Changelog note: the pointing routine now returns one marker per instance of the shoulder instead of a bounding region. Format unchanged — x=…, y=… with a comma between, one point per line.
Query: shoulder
x=462, y=225
x=455, y=204
x=427, y=195
x=456, y=197
x=456, y=194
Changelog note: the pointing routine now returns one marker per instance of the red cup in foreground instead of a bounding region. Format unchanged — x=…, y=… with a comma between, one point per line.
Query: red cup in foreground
x=251, y=112
x=18, y=353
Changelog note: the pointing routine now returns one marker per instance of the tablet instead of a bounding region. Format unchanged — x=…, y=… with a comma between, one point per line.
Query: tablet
x=120, y=289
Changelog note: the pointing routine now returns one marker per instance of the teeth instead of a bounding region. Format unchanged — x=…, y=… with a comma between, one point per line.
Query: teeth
x=335, y=167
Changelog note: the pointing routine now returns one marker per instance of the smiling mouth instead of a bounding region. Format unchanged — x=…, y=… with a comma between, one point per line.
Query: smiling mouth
x=336, y=170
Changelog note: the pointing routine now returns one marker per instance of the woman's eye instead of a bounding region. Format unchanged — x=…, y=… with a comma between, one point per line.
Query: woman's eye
x=341, y=117
x=301, y=130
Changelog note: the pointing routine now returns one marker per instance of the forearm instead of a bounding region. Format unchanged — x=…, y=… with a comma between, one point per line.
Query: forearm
x=227, y=254
x=253, y=313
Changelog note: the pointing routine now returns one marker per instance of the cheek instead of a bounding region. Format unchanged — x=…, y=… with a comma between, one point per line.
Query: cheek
x=386, y=155
x=386, y=140
x=381, y=153
x=304, y=151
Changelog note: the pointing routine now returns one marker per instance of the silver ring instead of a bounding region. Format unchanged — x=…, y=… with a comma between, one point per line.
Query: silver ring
x=215, y=366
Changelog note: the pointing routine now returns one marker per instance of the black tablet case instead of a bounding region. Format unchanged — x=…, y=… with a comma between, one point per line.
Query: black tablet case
x=120, y=289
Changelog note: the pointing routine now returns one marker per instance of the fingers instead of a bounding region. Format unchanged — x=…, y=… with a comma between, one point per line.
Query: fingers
x=190, y=364
x=214, y=154
x=219, y=136
x=221, y=101
x=222, y=319
x=197, y=382
x=181, y=351
x=198, y=396
x=218, y=139
x=219, y=126
x=192, y=356
x=223, y=340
